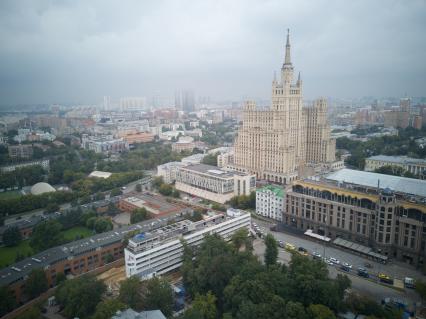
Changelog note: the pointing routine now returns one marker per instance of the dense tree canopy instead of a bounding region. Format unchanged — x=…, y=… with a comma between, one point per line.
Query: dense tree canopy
x=244, y=288
x=139, y=215
x=80, y=296
x=158, y=294
x=271, y=252
x=7, y=301
x=46, y=234
x=12, y=236
x=36, y=283
x=130, y=293
x=244, y=201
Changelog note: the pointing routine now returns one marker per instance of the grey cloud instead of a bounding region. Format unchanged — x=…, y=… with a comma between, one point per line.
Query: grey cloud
x=77, y=51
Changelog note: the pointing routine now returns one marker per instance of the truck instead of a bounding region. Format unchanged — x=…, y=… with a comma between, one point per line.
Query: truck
x=409, y=282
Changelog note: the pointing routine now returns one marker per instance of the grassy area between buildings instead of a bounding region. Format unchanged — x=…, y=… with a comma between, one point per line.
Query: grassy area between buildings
x=8, y=254
x=77, y=232
x=10, y=194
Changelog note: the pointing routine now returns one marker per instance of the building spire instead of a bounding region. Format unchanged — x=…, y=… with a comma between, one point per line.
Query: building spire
x=298, y=79
x=287, y=60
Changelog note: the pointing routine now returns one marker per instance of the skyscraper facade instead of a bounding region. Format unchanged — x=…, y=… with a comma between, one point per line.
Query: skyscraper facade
x=275, y=143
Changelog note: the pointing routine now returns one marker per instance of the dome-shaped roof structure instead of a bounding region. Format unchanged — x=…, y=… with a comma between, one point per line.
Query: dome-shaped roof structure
x=41, y=188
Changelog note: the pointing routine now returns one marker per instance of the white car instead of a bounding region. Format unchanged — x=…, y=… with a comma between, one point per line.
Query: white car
x=347, y=265
x=334, y=260
x=316, y=255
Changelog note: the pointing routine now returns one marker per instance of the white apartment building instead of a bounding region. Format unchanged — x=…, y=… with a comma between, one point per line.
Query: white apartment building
x=211, y=183
x=415, y=166
x=160, y=251
x=270, y=202
x=168, y=171
x=10, y=168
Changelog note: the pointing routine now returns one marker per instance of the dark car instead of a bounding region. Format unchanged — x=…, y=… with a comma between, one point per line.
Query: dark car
x=362, y=272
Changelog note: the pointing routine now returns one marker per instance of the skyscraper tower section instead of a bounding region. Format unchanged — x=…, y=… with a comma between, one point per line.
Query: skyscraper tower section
x=274, y=144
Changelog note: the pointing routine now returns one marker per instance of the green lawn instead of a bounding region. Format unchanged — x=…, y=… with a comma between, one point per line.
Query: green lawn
x=10, y=194
x=72, y=233
x=8, y=254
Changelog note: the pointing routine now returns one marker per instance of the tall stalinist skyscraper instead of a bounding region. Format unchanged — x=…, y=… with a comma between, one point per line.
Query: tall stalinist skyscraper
x=274, y=144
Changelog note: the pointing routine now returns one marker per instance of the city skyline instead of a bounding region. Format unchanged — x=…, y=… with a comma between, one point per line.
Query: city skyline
x=146, y=50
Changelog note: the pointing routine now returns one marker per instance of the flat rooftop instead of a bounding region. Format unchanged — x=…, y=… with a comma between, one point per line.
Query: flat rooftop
x=209, y=170
x=154, y=203
x=398, y=184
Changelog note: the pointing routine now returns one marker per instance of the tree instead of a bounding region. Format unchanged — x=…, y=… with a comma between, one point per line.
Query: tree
x=7, y=301
x=52, y=207
x=36, y=283
x=12, y=236
x=31, y=313
x=240, y=238
x=166, y=189
x=60, y=277
x=210, y=159
x=157, y=181
x=158, y=294
x=116, y=192
x=138, y=215
x=108, y=308
x=102, y=225
x=205, y=306
x=271, y=252
x=130, y=293
x=80, y=296
x=295, y=310
x=320, y=312
x=138, y=188
x=46, y=234
x=421, y=288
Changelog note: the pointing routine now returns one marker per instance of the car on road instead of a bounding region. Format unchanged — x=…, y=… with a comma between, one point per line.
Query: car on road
x=385, y=278
x=328, y=262
x=281, y=244
x=362, y=272
x=290, y=247
x=316, y=255
x=346, y=267
x=334, y=260
x=302, y=251
x=409, y=282
x=123, y=188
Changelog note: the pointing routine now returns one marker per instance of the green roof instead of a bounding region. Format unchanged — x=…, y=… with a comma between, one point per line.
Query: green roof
x=272, y=188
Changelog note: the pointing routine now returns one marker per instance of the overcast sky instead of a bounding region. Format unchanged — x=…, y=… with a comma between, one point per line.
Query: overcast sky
x=76, y=51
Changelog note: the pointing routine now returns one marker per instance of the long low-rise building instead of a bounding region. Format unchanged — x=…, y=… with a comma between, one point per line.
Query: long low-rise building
x=44, y=163
x=160, y=251
x=212, y=183
x=74, y=258
x=415, y=166
x=387, y=213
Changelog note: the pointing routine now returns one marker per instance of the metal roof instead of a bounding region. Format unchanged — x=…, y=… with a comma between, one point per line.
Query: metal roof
x=395, y=183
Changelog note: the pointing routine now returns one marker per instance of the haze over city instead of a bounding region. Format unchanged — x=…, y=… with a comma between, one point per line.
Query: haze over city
x=79, y=51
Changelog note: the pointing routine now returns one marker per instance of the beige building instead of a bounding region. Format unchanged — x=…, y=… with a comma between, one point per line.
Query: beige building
x=383, y=213
x=273, y=144
x=212, y=183
x=416, y=166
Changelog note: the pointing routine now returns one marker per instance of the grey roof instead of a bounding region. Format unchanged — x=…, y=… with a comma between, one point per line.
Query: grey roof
x=398, y=159
x=398, y=184
x=131, y=314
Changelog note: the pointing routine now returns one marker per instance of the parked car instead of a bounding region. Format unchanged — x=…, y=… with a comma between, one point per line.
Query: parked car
x=409, y=282
x=281, y=244
x=334, y=260
x=346, y=267
x=302, y=251
x=385, y=278
x=316, y=255
x=362, y=272
x=290, y=247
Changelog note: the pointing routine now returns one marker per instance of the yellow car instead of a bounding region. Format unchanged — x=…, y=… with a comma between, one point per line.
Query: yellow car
x=290, y=247
x=385, y=278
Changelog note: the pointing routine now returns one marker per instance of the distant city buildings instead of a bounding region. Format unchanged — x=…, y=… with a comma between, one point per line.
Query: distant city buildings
x=44, y=163
x=270, y=202
x=104, y=144
x=185, y=143
x=20, y=151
